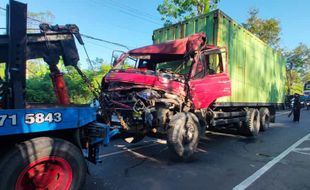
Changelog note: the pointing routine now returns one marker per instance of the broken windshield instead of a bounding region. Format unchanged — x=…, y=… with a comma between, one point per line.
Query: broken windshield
x=176, y=65
x=181, y=67
x=125, y=62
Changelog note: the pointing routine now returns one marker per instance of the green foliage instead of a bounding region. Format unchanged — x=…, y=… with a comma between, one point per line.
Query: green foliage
x=298, y=64
x=40, y=89
x=294, y=83
x=78, y=91
x=104, y=68
x=297, y=88
x=268, y=30
x=177, y=10
x=299, y=58
x=36, y=68
x=2, y=70
x=306, y=77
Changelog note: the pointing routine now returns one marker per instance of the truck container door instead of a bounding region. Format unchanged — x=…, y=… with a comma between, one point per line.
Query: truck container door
x=209, y=78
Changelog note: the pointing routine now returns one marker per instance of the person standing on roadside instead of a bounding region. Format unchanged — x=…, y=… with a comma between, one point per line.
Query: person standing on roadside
x=296, y=108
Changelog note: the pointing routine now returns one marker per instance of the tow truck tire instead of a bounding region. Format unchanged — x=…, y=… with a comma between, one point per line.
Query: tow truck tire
x=252, y=124
x=264, y=119
x=43, y=163
x=183, y=135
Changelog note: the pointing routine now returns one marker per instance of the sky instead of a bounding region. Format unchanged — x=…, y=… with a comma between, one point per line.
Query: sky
x=131, y=22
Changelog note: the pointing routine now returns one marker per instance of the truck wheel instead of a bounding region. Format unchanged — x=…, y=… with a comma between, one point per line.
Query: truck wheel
x=43, y=163
x=183, y=135
x=272, y=112
x=252, y=123
x=264, y=118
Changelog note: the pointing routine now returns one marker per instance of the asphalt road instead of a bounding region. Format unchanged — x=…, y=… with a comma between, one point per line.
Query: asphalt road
x=277, y=159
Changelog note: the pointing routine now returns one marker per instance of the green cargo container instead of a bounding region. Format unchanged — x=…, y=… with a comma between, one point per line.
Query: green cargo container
x=256, y=70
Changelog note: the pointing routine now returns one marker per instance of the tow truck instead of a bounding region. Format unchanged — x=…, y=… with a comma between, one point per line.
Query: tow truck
x=43, y=147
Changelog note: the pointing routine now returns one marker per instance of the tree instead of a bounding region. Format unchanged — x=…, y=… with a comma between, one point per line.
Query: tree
x=306, y=77
x=293, y=82
x=34, y=19
x=40, y=89
x=298, y=64
x=173, y=11
x=299, y=58
x=268, y=30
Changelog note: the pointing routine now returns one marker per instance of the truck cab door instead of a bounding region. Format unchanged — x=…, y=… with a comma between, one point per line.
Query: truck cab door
x=209, y=78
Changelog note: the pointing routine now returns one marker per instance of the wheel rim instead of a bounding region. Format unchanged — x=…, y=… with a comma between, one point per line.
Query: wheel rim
x=47, y=173
x=255, y=127
x=267, y=121
x=188, y=134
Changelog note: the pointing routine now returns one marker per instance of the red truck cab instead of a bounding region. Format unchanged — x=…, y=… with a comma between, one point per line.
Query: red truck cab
x=185, y=67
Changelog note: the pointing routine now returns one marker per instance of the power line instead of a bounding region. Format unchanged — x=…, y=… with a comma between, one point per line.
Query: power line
x=29, y=29
x=28, y=17
x=131, y=9
x=39, y=21
x=105, y=41
x=125, y=28
x=134, y=14
x=34, y=19
x=95, y=44
x=128, y=12
x=135, y=10
x=84, y=35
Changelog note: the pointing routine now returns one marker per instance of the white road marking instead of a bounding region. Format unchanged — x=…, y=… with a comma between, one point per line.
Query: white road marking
x=226, y=134
x=138, y=155
x=251, y=179
x=302, y=149
x=300, y=152
x=126, y=150
x=305, y=151
x=201, y=150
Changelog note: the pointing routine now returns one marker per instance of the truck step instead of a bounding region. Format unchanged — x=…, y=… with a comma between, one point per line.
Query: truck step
x=228, y=114
x=218, y=122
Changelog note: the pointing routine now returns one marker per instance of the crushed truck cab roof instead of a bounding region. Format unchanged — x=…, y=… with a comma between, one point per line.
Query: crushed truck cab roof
x=175, y=47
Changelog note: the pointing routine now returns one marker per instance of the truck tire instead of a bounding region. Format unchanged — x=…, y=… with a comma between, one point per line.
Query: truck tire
x=183, y=135
x=43, y=163
x=272, y=111
x=252, y=124
x=264, y=118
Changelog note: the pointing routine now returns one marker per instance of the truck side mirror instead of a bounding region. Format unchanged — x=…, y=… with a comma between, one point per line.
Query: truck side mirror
x=114, y=61
x=115, y=55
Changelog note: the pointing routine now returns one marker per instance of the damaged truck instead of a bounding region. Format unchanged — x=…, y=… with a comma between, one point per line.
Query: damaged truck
x=201, y=74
